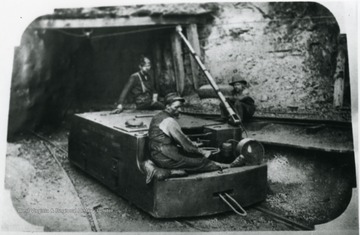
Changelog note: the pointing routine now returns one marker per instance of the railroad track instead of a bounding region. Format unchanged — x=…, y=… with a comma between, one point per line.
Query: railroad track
x=309, y=127
x=305, y=122
x=288, y=222
x=281, y=120
x=93, y=221
x=90, y=214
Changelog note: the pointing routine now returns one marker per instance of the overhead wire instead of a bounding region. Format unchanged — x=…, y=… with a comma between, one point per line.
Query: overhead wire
x=69, y=34
x=112, y=34
x=132, y=32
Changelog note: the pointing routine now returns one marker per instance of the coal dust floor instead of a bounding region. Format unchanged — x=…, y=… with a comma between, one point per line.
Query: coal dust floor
x=48, y=191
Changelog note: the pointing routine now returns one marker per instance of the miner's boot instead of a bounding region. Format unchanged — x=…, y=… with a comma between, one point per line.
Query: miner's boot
x=239, y=161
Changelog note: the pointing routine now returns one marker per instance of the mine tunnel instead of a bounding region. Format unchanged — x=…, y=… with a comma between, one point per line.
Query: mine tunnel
x=86, y=68
x=72, y=65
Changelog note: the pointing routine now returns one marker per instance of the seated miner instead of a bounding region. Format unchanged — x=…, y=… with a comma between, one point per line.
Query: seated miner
x=242, y=104
x=141, y=89
x=173, y=153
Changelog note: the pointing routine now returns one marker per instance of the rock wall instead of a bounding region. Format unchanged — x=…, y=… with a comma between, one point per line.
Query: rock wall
x=286, y=51
x=28, y=69
x=43, y=83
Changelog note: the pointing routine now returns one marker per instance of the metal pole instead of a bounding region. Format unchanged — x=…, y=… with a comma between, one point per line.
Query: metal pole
x=234, y=119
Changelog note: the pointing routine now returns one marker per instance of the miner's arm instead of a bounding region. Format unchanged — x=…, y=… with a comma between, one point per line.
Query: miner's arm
x=173, y=129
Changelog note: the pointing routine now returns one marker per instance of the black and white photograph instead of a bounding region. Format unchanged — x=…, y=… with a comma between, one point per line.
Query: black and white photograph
x=179, y=117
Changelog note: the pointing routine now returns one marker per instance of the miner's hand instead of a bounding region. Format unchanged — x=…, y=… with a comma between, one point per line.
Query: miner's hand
x=206, y=153
x=197, y=144
x=118, y=109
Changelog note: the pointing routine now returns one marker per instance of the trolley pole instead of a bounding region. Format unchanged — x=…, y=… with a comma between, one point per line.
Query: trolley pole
x=234, y=119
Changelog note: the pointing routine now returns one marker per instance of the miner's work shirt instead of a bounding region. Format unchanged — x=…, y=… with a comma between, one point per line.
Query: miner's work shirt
x=164, y=136
x=140, y=87
x=169, y=132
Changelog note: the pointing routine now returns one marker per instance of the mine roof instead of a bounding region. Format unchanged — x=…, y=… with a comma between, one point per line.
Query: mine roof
x=135, y=10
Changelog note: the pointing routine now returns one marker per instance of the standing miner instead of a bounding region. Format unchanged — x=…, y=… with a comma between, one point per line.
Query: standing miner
x=141, y=88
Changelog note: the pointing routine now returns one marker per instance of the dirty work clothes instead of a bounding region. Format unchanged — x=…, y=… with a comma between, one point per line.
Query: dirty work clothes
x=140, y=87
x=164, y=137
x=244, y=106
x=171, y=158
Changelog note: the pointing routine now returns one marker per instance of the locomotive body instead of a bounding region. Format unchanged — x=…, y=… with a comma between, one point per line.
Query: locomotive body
x=106, y=148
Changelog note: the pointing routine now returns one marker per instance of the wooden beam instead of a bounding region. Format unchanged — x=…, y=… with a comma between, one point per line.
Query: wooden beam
x=193, y=38
x=157, y=64
x=112, y=22
x=169, y=76
x=339, y=79
x=178, y=63
x=339, y=92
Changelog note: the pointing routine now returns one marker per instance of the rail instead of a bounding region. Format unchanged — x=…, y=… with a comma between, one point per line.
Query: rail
x=95, y=225
x=90, y=215
x=290, y=223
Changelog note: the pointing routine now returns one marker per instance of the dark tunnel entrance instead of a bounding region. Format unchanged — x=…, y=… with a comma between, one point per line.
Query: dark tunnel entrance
x=73, y=70
x=97, y=66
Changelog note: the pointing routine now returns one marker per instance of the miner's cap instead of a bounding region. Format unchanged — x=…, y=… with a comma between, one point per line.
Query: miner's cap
x=172, y=97
x=238, y=79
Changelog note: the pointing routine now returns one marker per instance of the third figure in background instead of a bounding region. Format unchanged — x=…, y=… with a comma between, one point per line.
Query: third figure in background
x=242, y=104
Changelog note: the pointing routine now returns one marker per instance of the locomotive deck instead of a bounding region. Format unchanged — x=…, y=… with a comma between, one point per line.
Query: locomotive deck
x=105, y=148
